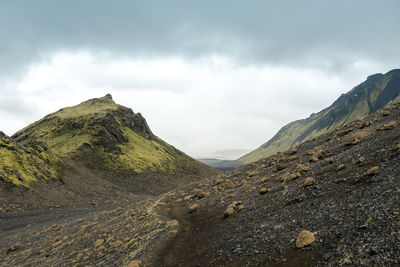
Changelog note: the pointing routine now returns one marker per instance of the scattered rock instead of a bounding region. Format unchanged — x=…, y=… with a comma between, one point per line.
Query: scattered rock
x=265, y=179
x=100, y=250
x=360, y=160
x=340, y=167
x=172, y=224
x=81, y=220
x=188, y=197
x=292, y=177
x=15, y=247
x=328, y=161
x=398, y=147
x=388, y=126
x=179, y=200
x=244, y=182
x=386, y=113
x=305, y=238
x=99, y=242
x=309, y=181
x=229, y=211
x=351, y=141
x=373, y=171
x=291, y=151
x=135, y=263
x=198, y=193
x=117, y=244
x=264, y=190
x=251, y=173
x=302, y=168
x=193, y=208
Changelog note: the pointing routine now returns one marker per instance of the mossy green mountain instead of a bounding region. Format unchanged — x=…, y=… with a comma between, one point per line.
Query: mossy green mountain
x=23, y=165
x=373, y=94
x=107, y=136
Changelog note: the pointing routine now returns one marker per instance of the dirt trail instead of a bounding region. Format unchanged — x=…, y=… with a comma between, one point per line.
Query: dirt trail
x=197, y=239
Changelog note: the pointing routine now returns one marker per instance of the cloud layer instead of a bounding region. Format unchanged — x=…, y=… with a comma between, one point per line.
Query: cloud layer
x=210, y=76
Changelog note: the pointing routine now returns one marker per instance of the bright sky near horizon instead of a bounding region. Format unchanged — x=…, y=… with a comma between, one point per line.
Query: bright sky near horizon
x=213, y=78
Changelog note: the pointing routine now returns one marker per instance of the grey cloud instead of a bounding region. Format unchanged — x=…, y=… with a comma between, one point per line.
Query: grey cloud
x=311, y=33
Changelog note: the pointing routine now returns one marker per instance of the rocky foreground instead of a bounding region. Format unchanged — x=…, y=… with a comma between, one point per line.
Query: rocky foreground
x=331, y=201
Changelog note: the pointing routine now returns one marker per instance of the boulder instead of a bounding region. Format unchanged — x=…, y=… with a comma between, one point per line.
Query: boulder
x=305, y=238
x=309, y=181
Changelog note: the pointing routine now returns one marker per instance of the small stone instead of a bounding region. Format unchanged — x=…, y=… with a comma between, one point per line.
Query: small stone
x=100, y=250
x=15, y=247
x=302, y=169
x=179, y=200
x=340, y=167
x=292, y=176
x=117, y=244
x=81, y=220
x=188, y=197
x=305, y=238
x=386, y=113
x=263, y=191
x=309, y=181
x=398, y=147
x=135, y=263
x=373, y=171
x=229, y=211
x=193, y=208
x=360, y=160
x=172, y=224
x=99, y=242
x=390, y=125
x=292, y=151
x=198, y=193
x=265, y=179
x=328, y=161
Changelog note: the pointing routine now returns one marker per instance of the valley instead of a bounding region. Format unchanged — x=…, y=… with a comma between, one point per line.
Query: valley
x=83, y=194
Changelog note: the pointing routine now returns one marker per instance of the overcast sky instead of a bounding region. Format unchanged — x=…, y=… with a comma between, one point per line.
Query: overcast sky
x=213, y=78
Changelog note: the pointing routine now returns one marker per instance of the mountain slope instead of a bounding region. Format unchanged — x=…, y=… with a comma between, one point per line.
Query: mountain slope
x=373, y=94
x=107, y=136
x=23, y=165
x=342, y=188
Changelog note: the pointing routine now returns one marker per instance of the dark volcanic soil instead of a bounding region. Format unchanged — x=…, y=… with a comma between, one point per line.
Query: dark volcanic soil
x=353, y=210
x=344, y=188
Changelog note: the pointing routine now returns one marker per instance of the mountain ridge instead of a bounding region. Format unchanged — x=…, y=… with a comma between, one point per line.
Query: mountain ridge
x=104, y=136
x=374, y=93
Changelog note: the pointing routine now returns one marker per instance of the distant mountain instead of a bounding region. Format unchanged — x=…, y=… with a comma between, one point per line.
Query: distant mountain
x=218, y=163
x=373, y=94
x=108, y=137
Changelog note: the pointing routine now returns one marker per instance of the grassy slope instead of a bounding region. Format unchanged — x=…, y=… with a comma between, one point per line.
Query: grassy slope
x=73, y=132
x=373, y=94
x=24, y=165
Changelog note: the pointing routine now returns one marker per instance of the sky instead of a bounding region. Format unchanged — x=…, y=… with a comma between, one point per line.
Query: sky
x=213, y=78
